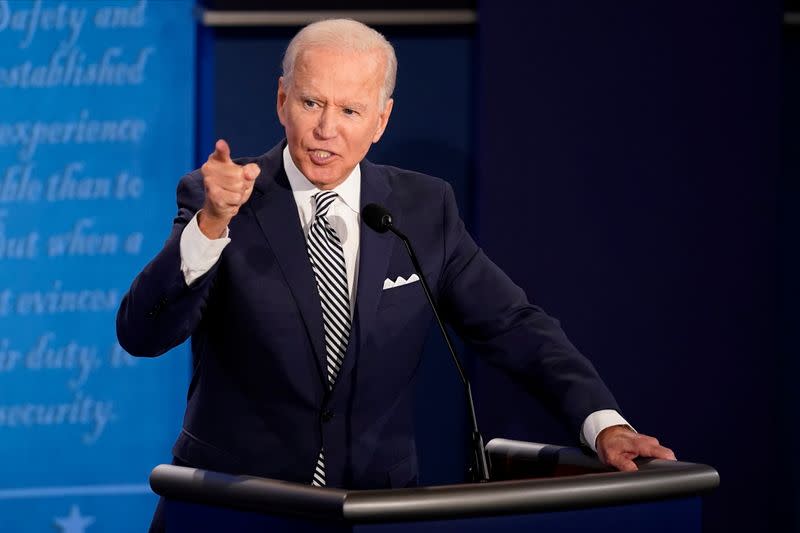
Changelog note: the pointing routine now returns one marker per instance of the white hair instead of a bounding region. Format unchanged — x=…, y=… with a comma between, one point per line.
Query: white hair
x=345, y=34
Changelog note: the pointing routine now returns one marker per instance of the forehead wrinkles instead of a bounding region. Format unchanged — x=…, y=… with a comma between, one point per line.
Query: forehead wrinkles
x=343, y=71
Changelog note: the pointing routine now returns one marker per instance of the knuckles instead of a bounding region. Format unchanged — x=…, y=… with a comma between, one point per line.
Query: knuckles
x=229, y=173
x=647, y=440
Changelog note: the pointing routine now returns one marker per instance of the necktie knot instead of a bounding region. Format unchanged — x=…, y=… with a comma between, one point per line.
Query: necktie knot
x=324, y=200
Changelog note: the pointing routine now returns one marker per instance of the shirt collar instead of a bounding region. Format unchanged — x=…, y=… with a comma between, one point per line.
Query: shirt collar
x=349, y=190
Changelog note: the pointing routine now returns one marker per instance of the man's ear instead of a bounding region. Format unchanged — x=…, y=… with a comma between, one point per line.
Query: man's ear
x=280, y=103
x=383, y=120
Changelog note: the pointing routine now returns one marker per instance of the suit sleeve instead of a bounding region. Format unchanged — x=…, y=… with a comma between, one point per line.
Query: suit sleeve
x=493, y=315
x=160, y=310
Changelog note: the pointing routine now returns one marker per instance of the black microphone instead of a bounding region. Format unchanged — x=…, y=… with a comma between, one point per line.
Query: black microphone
x=379, y=219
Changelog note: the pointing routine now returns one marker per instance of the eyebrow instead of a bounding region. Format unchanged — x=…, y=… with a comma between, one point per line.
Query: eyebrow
x=354, y=106
x=347, y=105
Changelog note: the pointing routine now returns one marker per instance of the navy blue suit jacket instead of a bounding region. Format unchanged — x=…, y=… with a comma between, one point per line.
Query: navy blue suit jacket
x=258, y=401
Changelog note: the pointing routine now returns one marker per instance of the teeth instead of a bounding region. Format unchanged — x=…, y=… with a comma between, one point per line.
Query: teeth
x=322, y=154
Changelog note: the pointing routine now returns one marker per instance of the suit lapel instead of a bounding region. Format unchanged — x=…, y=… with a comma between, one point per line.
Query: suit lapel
x=275, y=210
x=375, y=252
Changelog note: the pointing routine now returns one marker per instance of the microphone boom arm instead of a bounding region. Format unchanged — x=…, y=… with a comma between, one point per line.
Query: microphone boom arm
x=480, y=460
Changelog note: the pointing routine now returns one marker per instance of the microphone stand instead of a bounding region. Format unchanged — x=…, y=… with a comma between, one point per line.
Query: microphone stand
x=479, y=469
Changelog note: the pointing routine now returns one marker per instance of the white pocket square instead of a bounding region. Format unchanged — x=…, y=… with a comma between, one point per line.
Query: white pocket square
x=389, y=284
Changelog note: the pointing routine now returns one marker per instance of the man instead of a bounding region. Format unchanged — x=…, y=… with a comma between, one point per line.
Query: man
x=305, y=346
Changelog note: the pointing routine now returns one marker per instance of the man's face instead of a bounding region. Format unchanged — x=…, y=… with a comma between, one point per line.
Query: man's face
x=331, y=111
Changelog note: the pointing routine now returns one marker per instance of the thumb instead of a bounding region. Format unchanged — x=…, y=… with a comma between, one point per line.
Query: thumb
x=251, y=171
x=222, y=152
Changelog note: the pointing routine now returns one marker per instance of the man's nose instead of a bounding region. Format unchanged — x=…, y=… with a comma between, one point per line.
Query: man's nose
x=326, y=126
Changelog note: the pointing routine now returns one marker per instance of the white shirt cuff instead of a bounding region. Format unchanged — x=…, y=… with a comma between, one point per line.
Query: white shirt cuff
x=198, y=252
x=597, y=422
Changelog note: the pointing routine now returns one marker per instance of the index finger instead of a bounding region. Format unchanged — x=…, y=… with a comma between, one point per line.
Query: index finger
x=222, y=152
x=649, y=447
x=662, y=452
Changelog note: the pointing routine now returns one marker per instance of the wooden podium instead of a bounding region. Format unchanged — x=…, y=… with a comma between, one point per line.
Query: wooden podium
x=539, y=487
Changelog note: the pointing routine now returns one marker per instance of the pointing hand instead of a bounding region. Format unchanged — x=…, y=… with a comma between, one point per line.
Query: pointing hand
x=228, y=186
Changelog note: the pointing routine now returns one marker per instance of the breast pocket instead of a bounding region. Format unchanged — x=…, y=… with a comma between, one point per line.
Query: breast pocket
x=397, y=295
x=405, y=294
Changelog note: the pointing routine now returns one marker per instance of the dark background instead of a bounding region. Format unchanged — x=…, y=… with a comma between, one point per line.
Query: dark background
x=634, y=167
x=789, y=268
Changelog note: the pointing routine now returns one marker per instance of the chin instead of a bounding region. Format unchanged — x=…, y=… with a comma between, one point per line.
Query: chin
x=324, y=179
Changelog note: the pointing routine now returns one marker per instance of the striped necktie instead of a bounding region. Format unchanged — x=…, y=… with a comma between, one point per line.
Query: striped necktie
x=327, y=261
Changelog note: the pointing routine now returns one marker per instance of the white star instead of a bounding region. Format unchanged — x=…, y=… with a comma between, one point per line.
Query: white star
x=74, y=523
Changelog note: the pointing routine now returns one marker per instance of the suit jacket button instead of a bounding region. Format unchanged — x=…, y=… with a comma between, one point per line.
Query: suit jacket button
x=327, y=415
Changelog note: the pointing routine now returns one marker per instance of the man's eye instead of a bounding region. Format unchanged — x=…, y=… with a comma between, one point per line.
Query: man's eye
x=348, y=111
x=310, y=104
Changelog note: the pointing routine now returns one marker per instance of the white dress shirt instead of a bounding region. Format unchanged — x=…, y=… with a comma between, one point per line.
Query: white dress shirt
x=199, y=254
x=343, y=214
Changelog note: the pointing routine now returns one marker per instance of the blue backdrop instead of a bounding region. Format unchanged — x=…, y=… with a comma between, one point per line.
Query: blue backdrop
x=95, y=129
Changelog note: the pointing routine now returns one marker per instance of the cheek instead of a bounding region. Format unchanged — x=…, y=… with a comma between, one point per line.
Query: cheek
x=300, y=124
x=374, y=131
x=364, y=135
